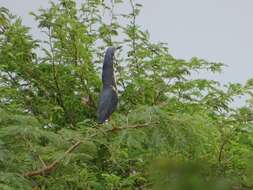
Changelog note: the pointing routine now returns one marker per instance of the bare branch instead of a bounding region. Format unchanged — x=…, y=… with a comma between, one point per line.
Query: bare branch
x=138, y=126
x=52, y=166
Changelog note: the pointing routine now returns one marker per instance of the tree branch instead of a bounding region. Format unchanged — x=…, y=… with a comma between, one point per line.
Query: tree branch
x=59, y=97
x=49, y=168
x=133, y=23
x=118, y=129
x=52, y=166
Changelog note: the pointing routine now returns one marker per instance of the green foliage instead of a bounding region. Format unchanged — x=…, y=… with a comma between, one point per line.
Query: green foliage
x=171, y=130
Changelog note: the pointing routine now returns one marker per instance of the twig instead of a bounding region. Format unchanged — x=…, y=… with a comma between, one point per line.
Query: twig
x=224, y=143
x=138, y=126
x=35, y=152
x=52, y=166
x=133, y=22
x=59, y=97
x=42, y=161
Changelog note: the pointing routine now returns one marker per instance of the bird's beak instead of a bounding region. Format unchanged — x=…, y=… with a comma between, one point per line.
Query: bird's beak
x=119, y=47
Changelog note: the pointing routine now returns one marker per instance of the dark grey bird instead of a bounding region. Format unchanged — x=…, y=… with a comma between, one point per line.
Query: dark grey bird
x=108, y=98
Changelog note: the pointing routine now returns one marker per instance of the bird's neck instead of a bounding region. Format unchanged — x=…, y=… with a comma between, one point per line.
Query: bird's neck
x=108, y=74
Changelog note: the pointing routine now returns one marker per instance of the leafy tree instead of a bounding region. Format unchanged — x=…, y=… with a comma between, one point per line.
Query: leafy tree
x=171, y=130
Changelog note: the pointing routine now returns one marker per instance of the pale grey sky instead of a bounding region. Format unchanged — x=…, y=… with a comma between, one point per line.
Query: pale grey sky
x=216, y=30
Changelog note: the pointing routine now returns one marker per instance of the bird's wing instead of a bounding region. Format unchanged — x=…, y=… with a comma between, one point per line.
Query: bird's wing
x=107, y=104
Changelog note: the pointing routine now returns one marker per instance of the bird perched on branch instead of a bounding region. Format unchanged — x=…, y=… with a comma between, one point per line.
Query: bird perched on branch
x=108, y=98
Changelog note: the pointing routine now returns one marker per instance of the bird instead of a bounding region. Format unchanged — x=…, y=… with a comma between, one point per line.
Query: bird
x=109, y=97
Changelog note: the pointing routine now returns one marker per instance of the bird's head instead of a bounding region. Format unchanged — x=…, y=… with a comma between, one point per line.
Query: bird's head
x=109, y=55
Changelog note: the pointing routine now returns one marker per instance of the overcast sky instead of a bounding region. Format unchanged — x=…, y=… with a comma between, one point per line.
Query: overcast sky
x=216, y=30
